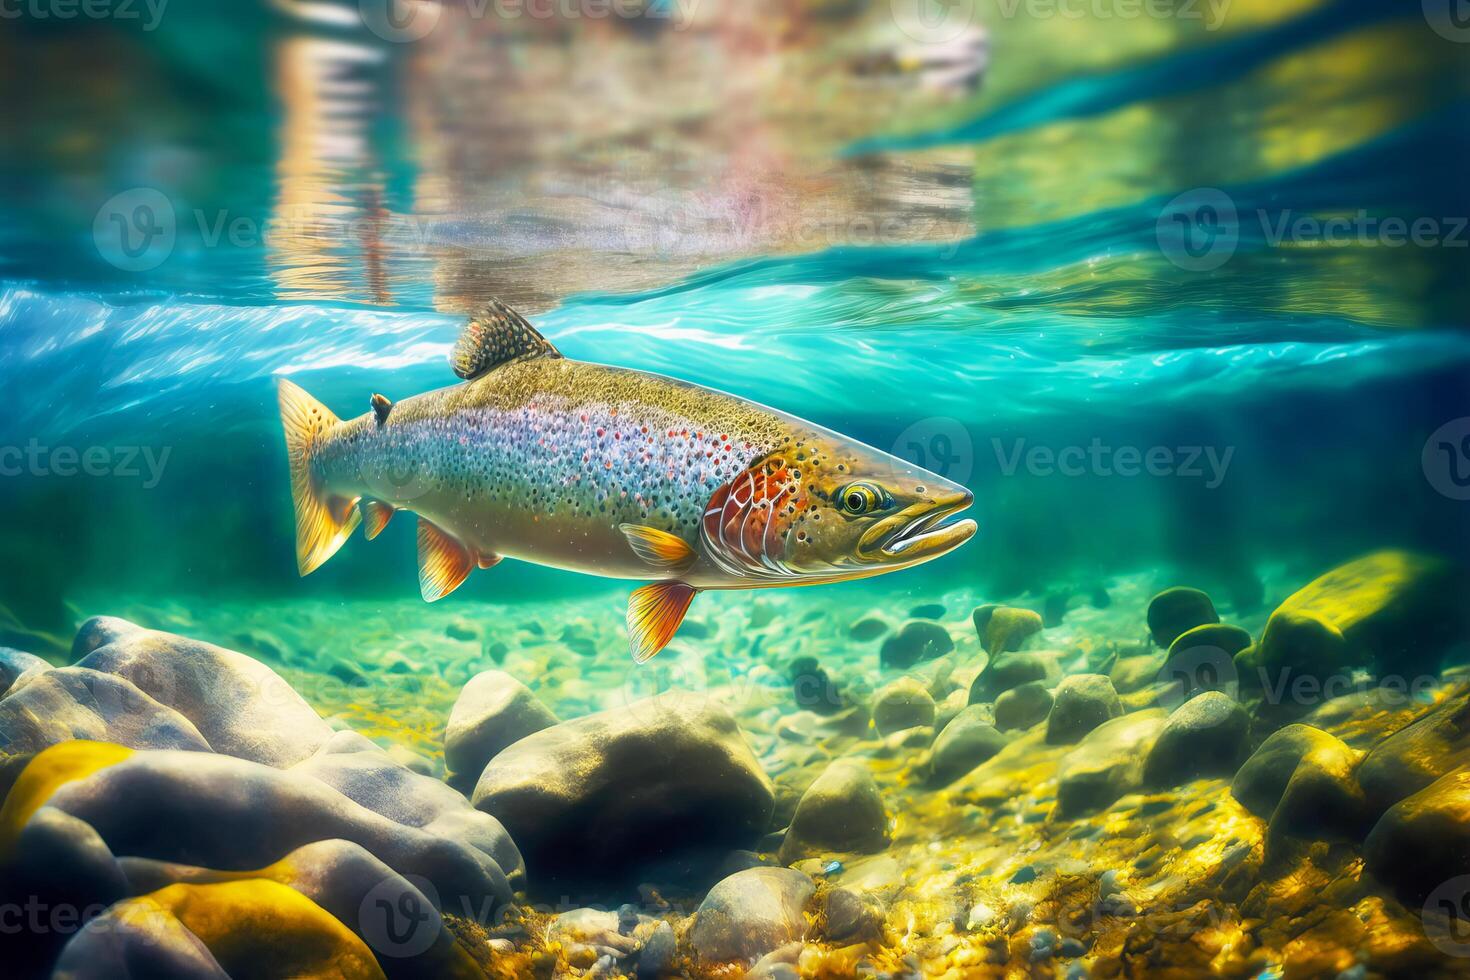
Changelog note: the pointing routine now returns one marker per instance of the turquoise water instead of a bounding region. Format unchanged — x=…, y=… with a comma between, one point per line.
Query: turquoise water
x=1181, y=302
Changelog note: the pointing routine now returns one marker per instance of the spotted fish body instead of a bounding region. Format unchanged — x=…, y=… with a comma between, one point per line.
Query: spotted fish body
x=612, y=472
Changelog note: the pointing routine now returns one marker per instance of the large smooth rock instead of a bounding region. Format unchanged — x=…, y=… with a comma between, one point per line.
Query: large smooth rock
x=1407, y=761
x=15, y=665
x=1423, y=841
x=916, y=642
x=967, y=741
x=492, y=711
x=905, y=703
x=364, y=773
x=842, y=811
x=1176, y=611
x=1023, y=706
x=240, y=706
x=1301, y=781
x=393, y=916
x=666, y=784
x=1205, y=736
x=1108, y=763
x=246, y=928
x=751, y=913
x=1394, y=611
x=73, y=702
x=1080, y=704
x=225, y=813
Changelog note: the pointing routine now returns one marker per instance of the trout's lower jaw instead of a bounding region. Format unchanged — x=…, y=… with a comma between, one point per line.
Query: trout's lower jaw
x=918, y=532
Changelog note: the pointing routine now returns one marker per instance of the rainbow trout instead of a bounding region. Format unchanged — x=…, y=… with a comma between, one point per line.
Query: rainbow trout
x=611, y=472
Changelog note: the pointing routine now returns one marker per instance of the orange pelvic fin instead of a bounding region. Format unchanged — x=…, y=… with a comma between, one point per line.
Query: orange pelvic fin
x=375, y=516
x=654, y=614
x=660, y=549
x=444, y=563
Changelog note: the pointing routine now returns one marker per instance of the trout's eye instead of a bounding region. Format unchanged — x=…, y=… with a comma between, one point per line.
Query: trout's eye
x=860, y=498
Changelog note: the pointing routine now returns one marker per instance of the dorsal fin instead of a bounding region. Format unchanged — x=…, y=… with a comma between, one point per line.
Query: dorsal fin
x=381, y=407
x=495, y=335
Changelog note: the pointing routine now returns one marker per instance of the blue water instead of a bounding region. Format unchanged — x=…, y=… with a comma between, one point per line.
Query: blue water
x=1055, y=316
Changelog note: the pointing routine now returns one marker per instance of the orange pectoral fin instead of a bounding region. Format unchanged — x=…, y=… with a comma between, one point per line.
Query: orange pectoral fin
x=375, y=516
x=654, y=614
x=444, y=563
x=660, y=549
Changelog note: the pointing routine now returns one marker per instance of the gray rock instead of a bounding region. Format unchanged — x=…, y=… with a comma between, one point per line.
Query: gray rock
x=868, y=628
x=16, y=665
x=1205, y=736
x=750, y=914
x=73, y=702
x=1107, y=764
x=603, y=798
x=1022, y=706
x=905, y=703
x=240, y=706
x=656, y=961
x=1301, y=781
x=230, y=814
x=1134, y=673
x=842, y=811
x=492, y=711
x=1419, y=753
x=915, y=642
x=155, y=946
x=1082, y=702
x=1423, y=840
x=852, y=916
x=361, y=771
x=965, y=743
x=1176, y=611
x=1005, y=672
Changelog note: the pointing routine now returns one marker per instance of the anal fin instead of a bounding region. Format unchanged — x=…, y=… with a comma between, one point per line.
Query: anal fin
x=654, y=614
x=375, y=516
x=444, y=563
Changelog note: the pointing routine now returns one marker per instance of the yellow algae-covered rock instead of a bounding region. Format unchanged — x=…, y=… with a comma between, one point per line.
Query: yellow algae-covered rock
x=842, y=811
x=244, y=930
x=1390, y=609
x=49, y=770
x=1003, y=629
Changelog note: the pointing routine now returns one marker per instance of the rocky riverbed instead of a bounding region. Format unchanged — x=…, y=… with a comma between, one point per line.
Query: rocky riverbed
x=1117, y=780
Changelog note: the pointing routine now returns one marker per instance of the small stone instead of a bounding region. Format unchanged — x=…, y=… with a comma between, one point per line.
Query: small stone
x=1416, y=755
x=1007, y=627
x=928, y=610
x=1176, y=611
x=1423, y=841
x=981, y=916
x=917, y=641
x=1024, y=876
x=852, y=917
x=1213, y=636
x=813, y=688
x=1301, y=781
x=965, y=743
x=749, y=914
x=1082, y=702
x=905, y=703
x=460, y=628
x=656, y=961
x=1134, y=673
x=1205, y=736
x=1022, y=706
x=492, y=711
x=867, y=629
x=1107, y=763
x=841, y=811
x=1004, y=672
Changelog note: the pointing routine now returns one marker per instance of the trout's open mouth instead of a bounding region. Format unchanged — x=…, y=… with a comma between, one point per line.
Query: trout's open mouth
x=919, y=532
